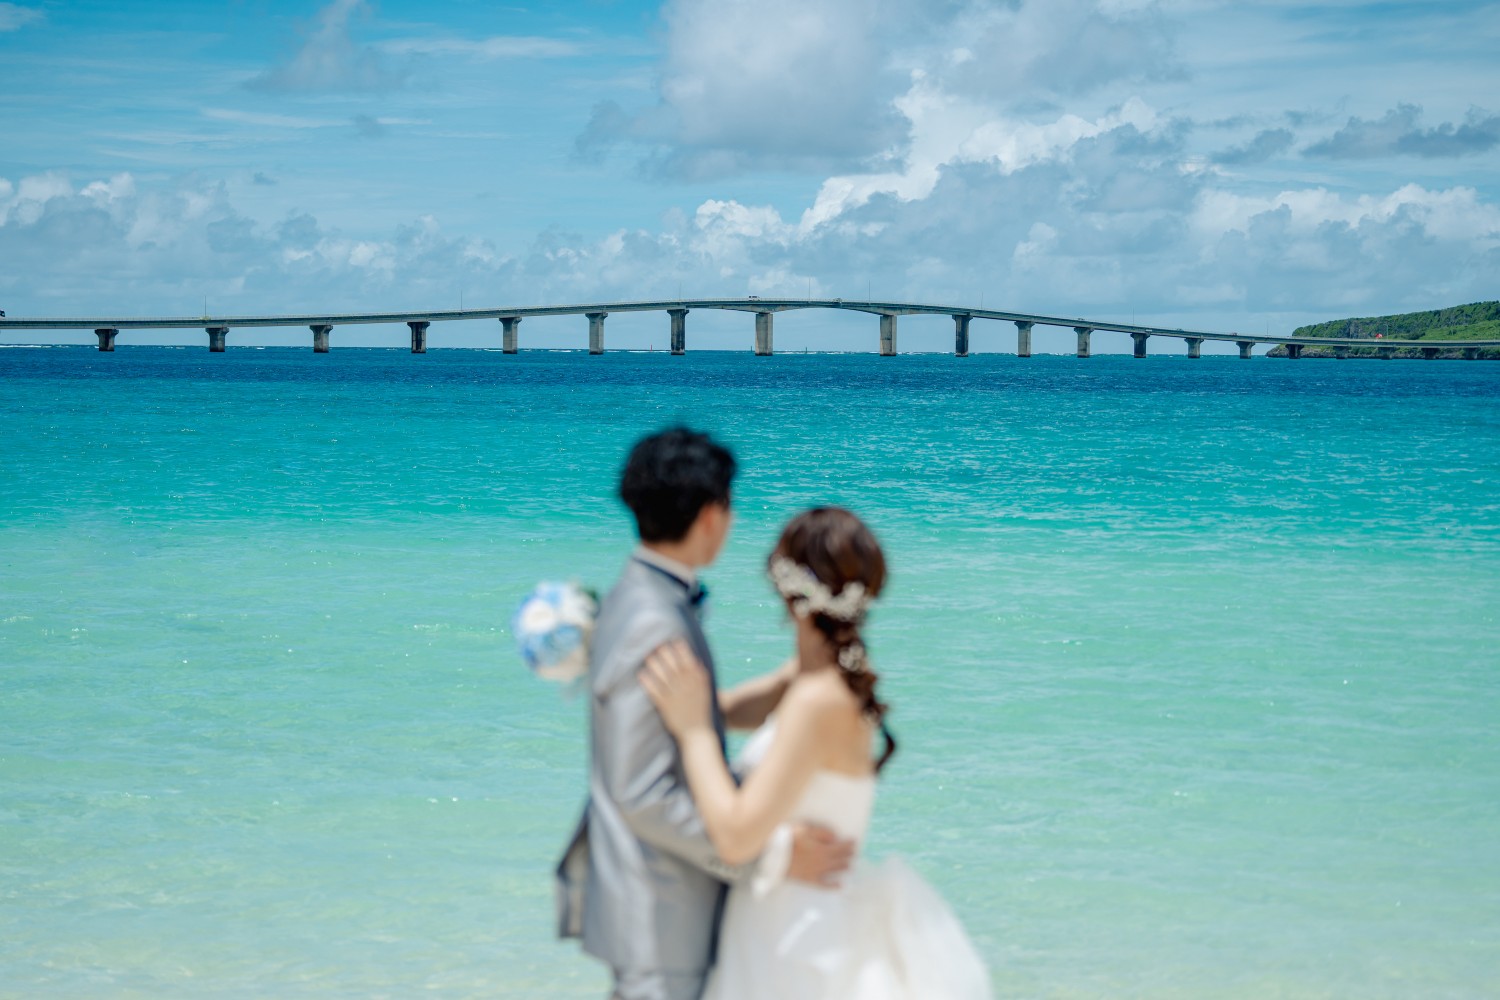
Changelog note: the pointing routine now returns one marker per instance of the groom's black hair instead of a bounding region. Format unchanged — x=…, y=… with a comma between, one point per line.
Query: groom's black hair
x=670, y=477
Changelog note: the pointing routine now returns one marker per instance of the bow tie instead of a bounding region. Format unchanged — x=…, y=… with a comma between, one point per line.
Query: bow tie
x=698, y=595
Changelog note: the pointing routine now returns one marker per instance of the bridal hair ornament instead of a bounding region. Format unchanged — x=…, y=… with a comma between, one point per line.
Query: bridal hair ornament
x=852, y=657
x=809, y=595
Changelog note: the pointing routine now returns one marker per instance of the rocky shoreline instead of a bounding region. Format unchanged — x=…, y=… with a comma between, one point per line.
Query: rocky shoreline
x=1455, y=354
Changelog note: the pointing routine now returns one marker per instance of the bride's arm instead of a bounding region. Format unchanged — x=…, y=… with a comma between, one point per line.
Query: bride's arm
x=747, y=705
x=739, y=819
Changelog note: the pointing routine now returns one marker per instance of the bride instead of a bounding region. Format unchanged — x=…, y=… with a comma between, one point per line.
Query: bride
x=884, y=934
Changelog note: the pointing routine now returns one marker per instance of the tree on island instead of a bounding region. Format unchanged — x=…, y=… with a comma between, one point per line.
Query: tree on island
x=1475, y=321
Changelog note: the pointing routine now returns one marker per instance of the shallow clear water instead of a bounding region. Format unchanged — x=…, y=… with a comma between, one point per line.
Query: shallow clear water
x=1193, y=662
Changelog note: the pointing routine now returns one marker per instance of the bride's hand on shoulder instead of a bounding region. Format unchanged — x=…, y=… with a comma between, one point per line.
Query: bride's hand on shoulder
x=677, y=683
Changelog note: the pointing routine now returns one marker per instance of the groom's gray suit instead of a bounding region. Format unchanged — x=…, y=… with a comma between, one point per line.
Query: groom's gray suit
x=640, y=882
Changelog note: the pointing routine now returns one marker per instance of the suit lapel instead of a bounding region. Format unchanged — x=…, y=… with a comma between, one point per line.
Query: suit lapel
x=699, y=642
x=696, y=639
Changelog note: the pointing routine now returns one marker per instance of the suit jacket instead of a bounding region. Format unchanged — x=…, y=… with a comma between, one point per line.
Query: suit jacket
x=640, y=882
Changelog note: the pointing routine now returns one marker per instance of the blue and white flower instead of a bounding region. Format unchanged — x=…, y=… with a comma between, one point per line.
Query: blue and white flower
x=553, y=628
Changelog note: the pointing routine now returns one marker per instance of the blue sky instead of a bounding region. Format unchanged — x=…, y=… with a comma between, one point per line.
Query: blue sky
x=1234, y=166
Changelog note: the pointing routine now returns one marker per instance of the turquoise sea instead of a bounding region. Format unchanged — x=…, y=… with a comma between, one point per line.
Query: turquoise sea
x=1195, y=664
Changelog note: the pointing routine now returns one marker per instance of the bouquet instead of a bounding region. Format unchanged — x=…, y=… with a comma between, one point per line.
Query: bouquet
x=553, y=628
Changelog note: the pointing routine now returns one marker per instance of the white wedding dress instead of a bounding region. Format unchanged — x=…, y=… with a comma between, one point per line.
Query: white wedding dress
x=885, y=934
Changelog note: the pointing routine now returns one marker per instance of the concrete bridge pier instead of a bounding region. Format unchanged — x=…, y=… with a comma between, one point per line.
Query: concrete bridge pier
x=679, y=330
x=961, y=335
x=765, y=344
x=596, y=332
x=1195, y=346
x=1140, y=343
x=1247, y=349
x=1471, y=354
x=1294, y=351
x=510, y=334
x=887, y=335
x=1085, y=335
x=106, y=337
x=320, y=337
x=1023, y=339
x=216, y=335
x=418, y=335
x=1341, y=352
x=1429, y=353
x=1385, y=353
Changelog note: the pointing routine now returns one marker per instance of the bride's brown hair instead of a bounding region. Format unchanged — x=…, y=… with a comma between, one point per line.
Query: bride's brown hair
x=840, y=550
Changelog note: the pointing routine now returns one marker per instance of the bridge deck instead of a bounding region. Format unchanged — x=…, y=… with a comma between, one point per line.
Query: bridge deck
x=743, y=305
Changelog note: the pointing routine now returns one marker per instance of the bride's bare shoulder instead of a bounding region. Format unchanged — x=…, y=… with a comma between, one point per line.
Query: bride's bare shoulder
x=820, y=696
x=828, y=722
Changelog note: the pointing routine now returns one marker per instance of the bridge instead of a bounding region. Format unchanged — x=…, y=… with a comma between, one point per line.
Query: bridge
x=764, y=310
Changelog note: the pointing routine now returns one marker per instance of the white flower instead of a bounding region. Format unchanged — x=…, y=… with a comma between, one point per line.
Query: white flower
x=809, y=595
x=553, y=628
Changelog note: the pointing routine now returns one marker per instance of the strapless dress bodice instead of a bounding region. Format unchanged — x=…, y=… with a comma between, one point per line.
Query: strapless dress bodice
x=842, y=803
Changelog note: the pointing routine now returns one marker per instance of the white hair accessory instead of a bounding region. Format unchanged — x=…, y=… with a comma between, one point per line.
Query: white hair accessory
x=852, y=657
x=809, y=595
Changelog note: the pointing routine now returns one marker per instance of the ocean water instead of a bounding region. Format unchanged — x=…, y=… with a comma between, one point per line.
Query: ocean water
x=1193, y=663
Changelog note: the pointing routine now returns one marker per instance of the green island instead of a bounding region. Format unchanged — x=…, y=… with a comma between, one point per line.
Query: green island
x=1475, y=321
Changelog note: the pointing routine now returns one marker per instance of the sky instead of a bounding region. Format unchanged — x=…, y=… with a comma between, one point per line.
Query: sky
x=1198, y=163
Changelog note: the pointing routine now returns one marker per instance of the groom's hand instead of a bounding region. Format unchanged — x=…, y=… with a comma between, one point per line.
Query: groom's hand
x=819, y=857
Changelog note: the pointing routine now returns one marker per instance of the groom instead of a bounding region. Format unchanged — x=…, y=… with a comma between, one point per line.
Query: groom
x=640, y=882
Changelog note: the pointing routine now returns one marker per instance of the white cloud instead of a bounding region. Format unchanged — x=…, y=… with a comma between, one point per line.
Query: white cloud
x=121, y=245
x=364, y=124
x=723, y=223
x=1033, y=237
x=28, y=199
x=1058, y=48
x=1455, y=214
x=820, y=86
x=749, y=84
x=945, y=129
x=493, y=48
x=330, y=59
x=13, y=17
x=1397, y=132
x=269, y=120
x=1265, y=145
x=114, y=191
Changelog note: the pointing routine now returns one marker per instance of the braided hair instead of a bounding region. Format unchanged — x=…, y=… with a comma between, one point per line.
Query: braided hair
x=837, y=549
